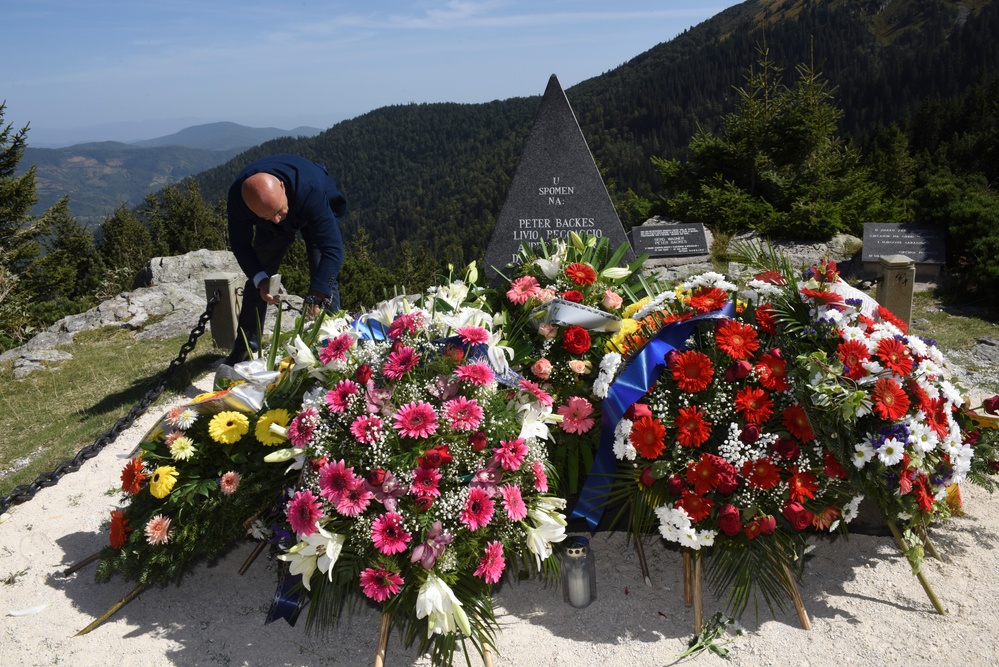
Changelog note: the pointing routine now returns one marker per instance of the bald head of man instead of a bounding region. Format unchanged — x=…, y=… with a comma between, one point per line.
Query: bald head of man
x=264, y=195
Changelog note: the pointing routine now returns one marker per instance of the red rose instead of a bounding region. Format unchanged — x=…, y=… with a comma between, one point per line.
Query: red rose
x=646, y=478
x=676, y=485
x=376, y=477
x=670, y=359
x=786, y=448
x=832, y=467
x=768, y=525
x=637, y=411
x=423, y=502
x=363, y=373
x=576, y=340
x=753, y=529
x=573, y=295
x=454, y=353
x=750, y=433
x=478, y=441
x=729, y=520
x=319, y=463
x=991, y=405
x=797, y=516
x=738, y=371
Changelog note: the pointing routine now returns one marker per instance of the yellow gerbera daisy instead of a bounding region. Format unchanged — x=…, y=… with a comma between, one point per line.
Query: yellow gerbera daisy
x=229, y=426
x=162, y=481
x=263, y=428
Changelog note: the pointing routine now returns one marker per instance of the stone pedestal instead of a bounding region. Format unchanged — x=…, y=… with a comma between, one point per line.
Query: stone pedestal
x=896, y=281
x=225, y=315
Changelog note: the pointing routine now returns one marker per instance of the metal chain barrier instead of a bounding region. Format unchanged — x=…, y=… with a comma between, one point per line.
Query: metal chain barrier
x=27, y=491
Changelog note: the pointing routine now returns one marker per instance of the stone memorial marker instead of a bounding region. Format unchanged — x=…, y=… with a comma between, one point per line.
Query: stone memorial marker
x=670, y=240
x=556, y=189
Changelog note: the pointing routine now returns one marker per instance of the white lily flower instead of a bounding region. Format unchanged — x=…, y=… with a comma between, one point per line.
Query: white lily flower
x=294, y=454
x=319, y=550
x=302, y=354
x=535, y=422
x=549, y=267
x=549, y=527
x=615, y=273
x=438, y=603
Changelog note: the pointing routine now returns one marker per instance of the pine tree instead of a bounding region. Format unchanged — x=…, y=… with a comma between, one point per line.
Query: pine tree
x=124, y=248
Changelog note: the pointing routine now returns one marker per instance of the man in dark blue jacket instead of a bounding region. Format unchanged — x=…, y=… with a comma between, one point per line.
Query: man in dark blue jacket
x=273, y=199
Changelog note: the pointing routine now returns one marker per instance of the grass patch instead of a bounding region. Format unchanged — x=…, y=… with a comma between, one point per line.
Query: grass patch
x=48, y=416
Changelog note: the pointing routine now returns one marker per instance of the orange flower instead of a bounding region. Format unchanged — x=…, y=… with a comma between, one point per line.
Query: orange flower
x=736, y=339
x=802, y=485
x=895, y=355
x=132, y=477
x=648, y=435
x=772, y=371
x=692, y=371
x=890, y=401
x=703, y=475
x=581, y=274
x=119, y=529
x=824, y=519
x=697, y=507
x=692, y=429
x=853, y=354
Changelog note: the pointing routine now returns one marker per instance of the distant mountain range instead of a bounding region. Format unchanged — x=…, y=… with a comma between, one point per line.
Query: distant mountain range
x=98, y=176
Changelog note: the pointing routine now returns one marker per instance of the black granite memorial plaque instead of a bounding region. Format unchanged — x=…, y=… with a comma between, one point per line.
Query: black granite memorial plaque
x=556, y=189
x=670, y=240
x=922, y=244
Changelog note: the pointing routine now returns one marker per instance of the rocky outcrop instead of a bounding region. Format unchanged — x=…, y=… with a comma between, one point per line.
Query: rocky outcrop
x=168, y=304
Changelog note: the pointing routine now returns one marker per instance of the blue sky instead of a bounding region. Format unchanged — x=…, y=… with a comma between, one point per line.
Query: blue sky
x=121, y=66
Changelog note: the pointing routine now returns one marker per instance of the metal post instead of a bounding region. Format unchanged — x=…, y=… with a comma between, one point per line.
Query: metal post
x=226, y=313
x=897, y=279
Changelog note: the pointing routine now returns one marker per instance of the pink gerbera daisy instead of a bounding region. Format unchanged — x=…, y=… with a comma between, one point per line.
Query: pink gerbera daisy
x=229, y=482
x=302, y=427
x=354, y=499
x=513, y=502
x=473, y=335
x=416, y=420
x=380, y=584
x=400, y=362
x=158, y=530
x=367, y=429
x=335, y=479
x=406, y=323
x=425, y=481
x=540, y=477
x=478, y=510
x=463, y=414
x=522, y=289
x=543, y=397
x=338, y=398
x=492, y=564
x=577, y=415
x=304, y=512
x=511, y=453
x=336, y=349
x=478, y=374
x=388, y=534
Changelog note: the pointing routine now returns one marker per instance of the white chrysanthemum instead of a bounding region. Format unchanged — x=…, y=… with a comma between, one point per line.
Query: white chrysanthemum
x=873, y=367
x=623, y=449
x=709, y=279
x=926, y=368
x=853, y=333
x=185, y=419
x=917, y=346
x=952, y=394
x=862, y=453
x=654, y=305
x=182, y=448
x=764, y=289
x=851, y=508
x=891, y=451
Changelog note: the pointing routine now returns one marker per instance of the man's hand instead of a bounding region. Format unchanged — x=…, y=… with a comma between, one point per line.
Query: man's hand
x=313, y=304
x=265, y=294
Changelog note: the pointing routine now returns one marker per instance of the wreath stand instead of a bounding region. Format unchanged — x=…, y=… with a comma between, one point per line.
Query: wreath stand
x=692, y=594
x=383, y=635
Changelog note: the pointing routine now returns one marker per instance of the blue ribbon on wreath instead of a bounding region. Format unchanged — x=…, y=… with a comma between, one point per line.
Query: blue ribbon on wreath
x=288, y=599
x=642, y=371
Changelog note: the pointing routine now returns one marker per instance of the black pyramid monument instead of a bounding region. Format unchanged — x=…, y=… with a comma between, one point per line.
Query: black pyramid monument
x=556, y=189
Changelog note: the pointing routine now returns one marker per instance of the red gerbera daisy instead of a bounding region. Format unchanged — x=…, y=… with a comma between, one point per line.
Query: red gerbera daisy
x=936, y=418
x=796, y=422
x=853, y=354
x=692, y=371
x=707, y=299
x=765, y=319
x=772, y=371
x=581, y=274
x=801, y=485
x=692, y=429
x=895, y=356
x=890, y=401
x=826, y=297
x=754, y=405
x=119, y=529
x=761, y=473
x=703, y=475
x=697, y=507
x=771, y=277
x=132, y=477
x=648, y=435
x=736, y=339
